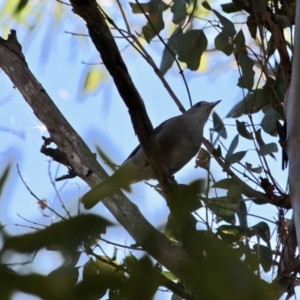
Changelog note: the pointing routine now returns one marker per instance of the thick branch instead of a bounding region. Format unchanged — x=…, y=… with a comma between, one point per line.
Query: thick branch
x=292, y=112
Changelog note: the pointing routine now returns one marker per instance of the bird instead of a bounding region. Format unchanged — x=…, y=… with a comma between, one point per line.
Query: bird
x=179, y=138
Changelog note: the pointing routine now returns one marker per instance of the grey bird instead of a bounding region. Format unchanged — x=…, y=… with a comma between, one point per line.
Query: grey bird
x=179, y=138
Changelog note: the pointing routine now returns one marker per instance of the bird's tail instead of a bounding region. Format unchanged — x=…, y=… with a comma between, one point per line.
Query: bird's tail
x=103, y=190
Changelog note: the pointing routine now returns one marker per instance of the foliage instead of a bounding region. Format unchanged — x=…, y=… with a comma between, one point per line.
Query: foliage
x=259, y=48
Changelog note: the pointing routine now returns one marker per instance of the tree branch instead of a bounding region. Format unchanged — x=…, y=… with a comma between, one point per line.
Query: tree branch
x=292, y=112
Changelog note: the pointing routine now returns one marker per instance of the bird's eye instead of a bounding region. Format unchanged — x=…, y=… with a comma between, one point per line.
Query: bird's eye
x=198, y=104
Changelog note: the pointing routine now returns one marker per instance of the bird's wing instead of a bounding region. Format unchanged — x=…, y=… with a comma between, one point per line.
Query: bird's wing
x=156, y=131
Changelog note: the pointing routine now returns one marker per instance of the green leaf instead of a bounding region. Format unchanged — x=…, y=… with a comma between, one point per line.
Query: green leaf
x=253, y=102
x=231, y=7
x=265, y=256
x=239, y=41
x=69, y=233
x=219, y=125
x=179, y=11
x=156, y=22
x=268, y=149
x=139, y=9
x=223, y=209
x=167, y=57
x=235, y=157
x=257, y=170
x=223, y=44
x=21, y=5
x=262, y=229
x=242, y=130
x=190, y=47
x=232, y=146
x=246, y=65
x=206, y=5
x=234, y=193
x=268, y=122
x=232, y=233
x=260, y=141
x=224, y=184
x=228, y=26
x=252, y=26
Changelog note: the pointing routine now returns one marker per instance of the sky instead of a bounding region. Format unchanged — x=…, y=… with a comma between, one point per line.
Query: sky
x=60, y=61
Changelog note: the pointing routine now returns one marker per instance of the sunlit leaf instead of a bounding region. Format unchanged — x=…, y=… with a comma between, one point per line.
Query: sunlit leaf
x=92, y=80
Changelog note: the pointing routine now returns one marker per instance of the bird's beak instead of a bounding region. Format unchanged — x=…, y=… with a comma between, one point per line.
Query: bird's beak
x=213, y=104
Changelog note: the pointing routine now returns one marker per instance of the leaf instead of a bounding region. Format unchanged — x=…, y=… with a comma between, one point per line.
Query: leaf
x=260, y=141
x=223, y=44
x=190, y=47
x=232, y=146
x=234, y=193
x=167, y=57
x=224, y=184
x=253, y=102
x=239, y=42
x=231, y=234
x=242, y=130
x=21, y=5
x=257, y=170
x=179, y=11
x=223, y=209
x=268, y=149
x=269, y=120
x=252, y=26
x=69, y=233
x=235, y=157
x=156, y=22
x=92, y=80
x=219, y=125
x=262, y=229
x=206, y=5
x=228, y=26
x=139, y=9
x=231, y=7
x=153, y=27
x=246, y=65
x=265, y=256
